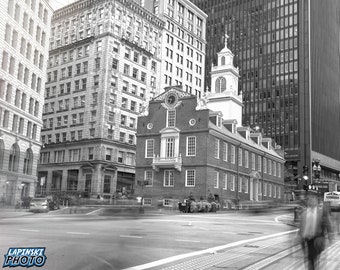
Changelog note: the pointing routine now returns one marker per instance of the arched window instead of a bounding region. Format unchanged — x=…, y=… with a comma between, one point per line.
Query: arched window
x=14, y=156
x=222, y=61
x=28, y=161
x=220, y=85
x=223, y=84
x=2, y=153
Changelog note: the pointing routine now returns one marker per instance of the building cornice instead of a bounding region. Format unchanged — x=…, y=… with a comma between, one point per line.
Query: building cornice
x=222, y=69
x=74, y=8
x=88, y=142
x=244, y=144
x=196, y=8
x=20, y=112
x=72, y=45
x=236, y=99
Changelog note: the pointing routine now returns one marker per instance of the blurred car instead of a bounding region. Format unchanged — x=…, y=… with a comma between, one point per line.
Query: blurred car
x=39, y=205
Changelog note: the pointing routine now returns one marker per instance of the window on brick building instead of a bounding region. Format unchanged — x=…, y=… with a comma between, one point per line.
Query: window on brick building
x=191, y=146
x=149, y=148
x=217, y=148
x=169, y=178
x=190, y=178
x=171, y=118
x=216, y=179
x=148, y=178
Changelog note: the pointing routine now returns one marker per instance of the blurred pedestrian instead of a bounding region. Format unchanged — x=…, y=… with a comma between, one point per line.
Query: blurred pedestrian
x=336, y=218
x=314, y=226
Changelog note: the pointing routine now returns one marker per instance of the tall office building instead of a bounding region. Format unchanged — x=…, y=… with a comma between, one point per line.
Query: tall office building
x=288, y=55
x=183, y=44
x=24, y=34
x=103, y=67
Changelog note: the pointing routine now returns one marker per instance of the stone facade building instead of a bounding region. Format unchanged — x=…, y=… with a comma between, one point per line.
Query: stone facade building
x=103, y=67
x=183, y=44
x=24, y=35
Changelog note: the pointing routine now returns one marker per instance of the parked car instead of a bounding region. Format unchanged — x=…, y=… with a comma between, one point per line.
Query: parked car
x=39, y=205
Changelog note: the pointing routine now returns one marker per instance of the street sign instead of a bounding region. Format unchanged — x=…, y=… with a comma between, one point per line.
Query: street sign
x=332, y=197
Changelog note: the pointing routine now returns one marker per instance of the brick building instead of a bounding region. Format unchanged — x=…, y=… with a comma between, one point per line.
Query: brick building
x=199, y=147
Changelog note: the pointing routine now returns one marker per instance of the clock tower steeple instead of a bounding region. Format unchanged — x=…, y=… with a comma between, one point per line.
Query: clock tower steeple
x=224, y=96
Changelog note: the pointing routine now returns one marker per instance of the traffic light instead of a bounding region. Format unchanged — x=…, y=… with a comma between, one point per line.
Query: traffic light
x=313, y=187
x=310, y=187
x=305, y=170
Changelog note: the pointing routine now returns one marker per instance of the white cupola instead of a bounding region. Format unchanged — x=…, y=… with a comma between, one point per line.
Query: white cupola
x=223, y=94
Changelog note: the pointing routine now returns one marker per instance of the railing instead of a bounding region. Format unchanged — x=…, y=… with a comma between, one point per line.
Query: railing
x=167, y=162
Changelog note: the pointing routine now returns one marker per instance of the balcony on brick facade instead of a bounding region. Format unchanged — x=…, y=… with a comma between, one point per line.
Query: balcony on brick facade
x=167, y=163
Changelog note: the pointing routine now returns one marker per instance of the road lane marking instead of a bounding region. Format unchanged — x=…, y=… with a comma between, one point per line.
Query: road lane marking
x=205, y=251
x=184, y=240
x=286, y=216
x=205, y=229
x=92, y=212
x=130, y=236
x=27, y=230
x=85, y=233
x=246, y=221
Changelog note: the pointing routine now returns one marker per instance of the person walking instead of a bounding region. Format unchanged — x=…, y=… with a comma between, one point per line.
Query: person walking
x=314, y=226
x=335, y=213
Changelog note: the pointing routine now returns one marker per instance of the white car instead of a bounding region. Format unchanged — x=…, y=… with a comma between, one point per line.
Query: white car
x=39, y=205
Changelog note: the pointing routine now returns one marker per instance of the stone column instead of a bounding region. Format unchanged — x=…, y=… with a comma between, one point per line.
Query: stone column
x=64, y=180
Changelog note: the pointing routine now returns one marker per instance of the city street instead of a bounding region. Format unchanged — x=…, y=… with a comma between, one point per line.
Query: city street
x=117, y=242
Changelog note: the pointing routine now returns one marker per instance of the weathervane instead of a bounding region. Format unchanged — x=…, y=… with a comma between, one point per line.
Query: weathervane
x=226, y=39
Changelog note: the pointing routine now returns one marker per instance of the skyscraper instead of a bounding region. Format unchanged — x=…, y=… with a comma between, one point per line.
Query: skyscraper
x=288, y=55
x=24, y=34
x=102, y=69
x=183, y=44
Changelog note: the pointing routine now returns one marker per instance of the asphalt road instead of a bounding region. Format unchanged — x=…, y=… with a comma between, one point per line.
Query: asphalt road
x=119, y=242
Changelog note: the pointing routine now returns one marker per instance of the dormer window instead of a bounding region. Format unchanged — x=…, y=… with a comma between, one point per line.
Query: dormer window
x=171, y=118
x=219, y=121
x=220, y=85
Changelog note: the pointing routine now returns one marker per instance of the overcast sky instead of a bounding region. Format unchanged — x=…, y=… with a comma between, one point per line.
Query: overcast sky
x=56, y=4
